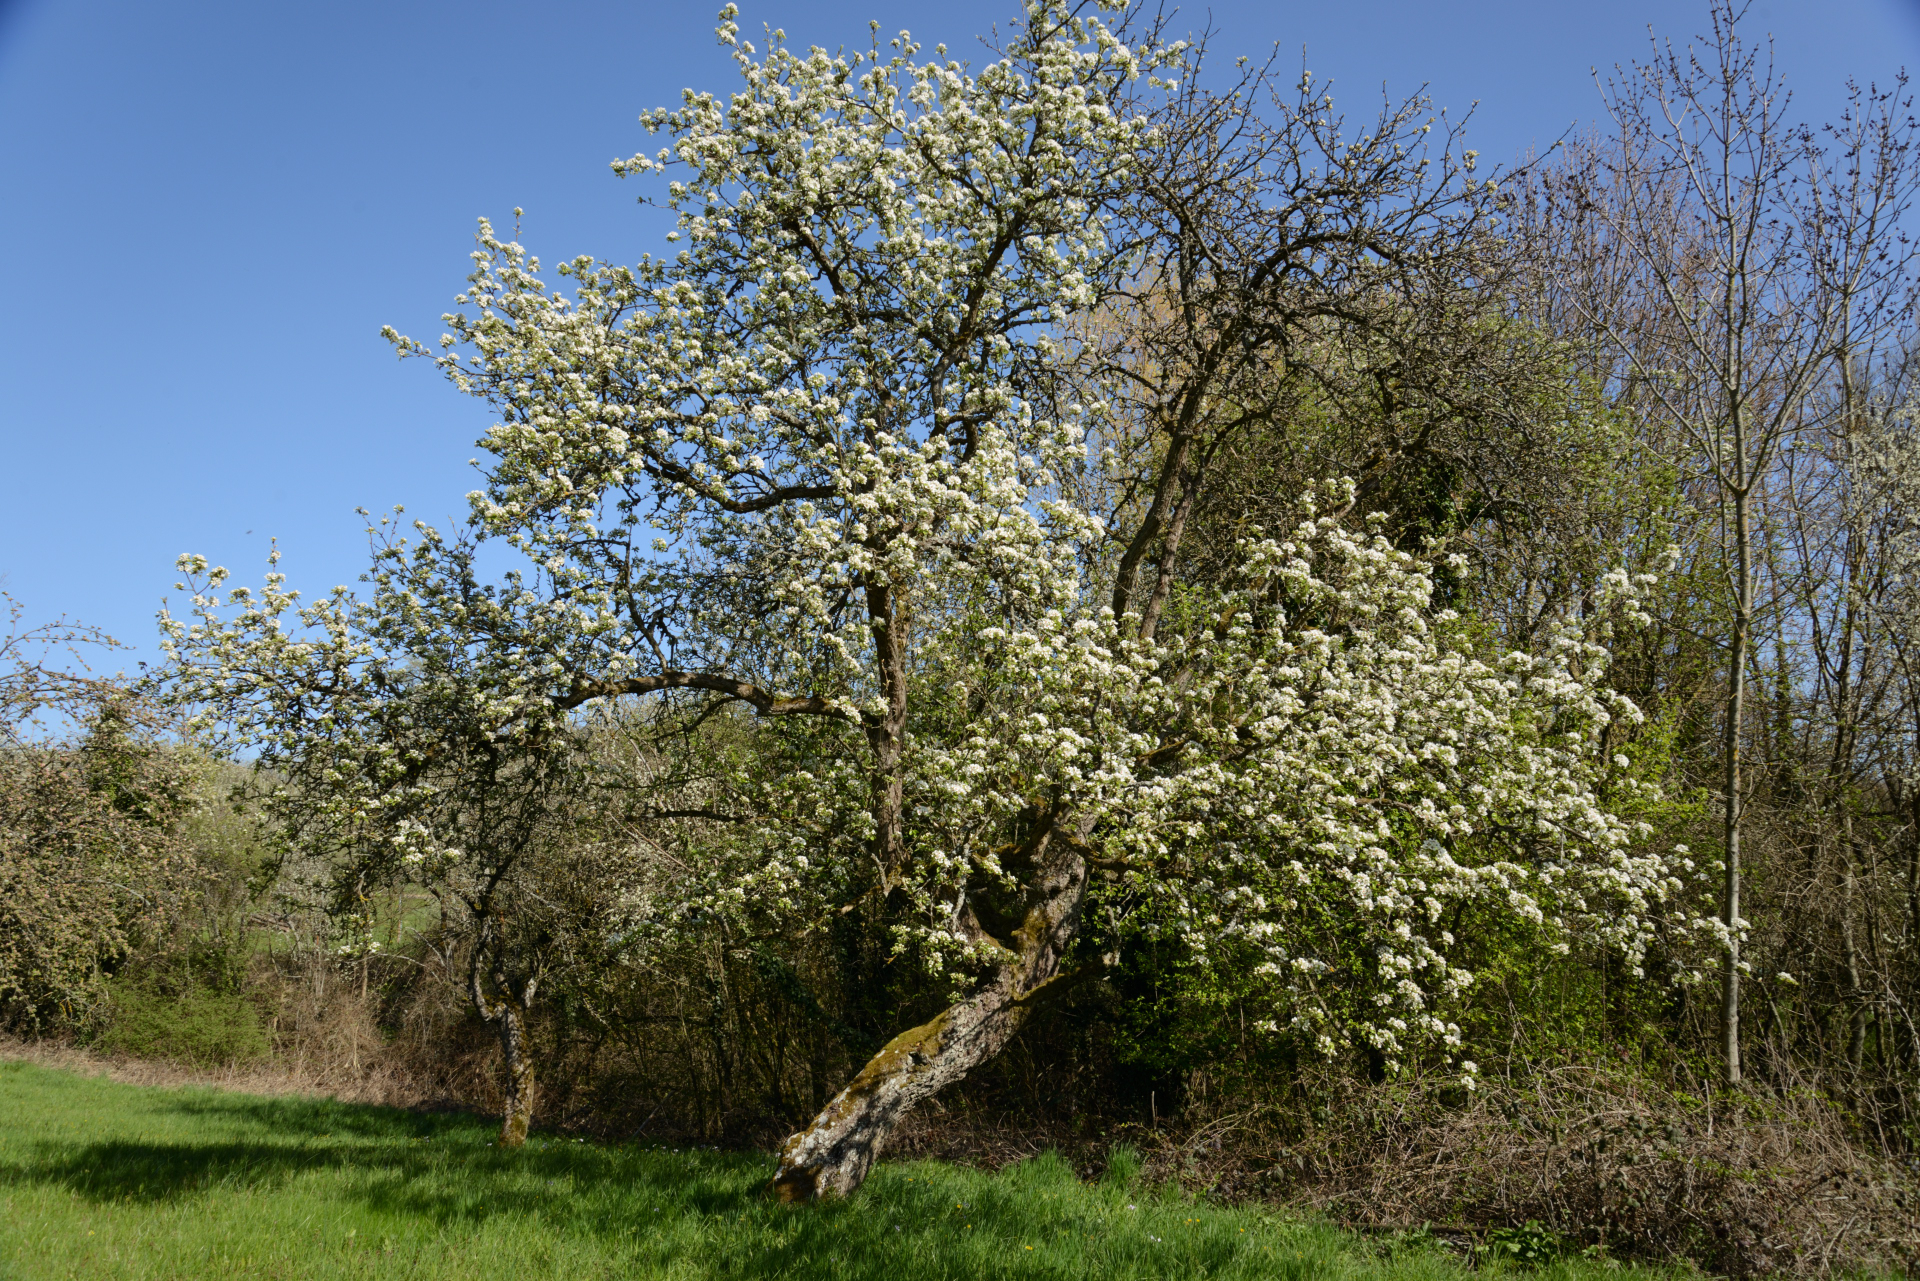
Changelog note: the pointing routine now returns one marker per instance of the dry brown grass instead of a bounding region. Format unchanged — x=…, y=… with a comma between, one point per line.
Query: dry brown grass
x=273, y=1077
x=327, y=1042
x=1600, y=1155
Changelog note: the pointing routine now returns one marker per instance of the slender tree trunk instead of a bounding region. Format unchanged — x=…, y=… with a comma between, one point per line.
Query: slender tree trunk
x=1856, y=989
x=1840, y=762
x=832, y=1156
x=1735, y=783
x=1912, y=806
x=518, y=1114
x=1126, y=581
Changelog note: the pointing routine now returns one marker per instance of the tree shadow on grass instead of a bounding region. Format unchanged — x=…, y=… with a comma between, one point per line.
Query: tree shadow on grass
x=437, y=1166
x=293, y=1116
x=434, y=1174
x=657, y=1209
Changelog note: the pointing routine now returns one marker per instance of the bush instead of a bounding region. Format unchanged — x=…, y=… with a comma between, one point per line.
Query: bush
x=93, y=867
x=199, y=1026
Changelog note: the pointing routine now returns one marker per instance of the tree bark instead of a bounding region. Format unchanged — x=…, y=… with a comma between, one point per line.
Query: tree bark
x=507, y=1010
x=1856, y=989
x=832, y=1156
x=1735, y=783
x=518, y=1113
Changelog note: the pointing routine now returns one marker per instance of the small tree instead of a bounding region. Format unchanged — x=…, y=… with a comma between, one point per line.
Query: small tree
x=1699, y=198
x=396, y=753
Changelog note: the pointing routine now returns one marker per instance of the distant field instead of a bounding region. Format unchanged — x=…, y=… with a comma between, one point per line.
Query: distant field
x=102, y=1180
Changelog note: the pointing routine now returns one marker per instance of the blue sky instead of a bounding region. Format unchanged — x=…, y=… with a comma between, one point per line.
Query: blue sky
x=210, y=208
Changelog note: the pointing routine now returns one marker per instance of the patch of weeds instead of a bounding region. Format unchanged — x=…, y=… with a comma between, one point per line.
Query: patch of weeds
x=1413, y=1243
x=1123, y=1167
x=1530, y=1245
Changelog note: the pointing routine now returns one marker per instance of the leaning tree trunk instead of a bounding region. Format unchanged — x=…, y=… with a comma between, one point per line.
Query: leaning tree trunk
x=832, y=1156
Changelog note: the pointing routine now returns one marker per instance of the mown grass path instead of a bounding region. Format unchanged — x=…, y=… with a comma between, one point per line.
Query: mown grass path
x=101, y=1180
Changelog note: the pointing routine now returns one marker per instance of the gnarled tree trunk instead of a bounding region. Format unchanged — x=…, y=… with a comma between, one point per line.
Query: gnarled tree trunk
x=507, y=1008
x=517, y=1116
x=832, y=1156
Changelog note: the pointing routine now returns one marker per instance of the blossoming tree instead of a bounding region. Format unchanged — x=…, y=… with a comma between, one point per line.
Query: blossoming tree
x=849, y=457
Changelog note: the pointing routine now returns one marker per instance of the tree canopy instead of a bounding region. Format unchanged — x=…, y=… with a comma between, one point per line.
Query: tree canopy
x=877, y=490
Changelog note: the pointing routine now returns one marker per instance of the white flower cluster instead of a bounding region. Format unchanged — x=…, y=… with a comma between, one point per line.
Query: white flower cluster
x=1316, y=779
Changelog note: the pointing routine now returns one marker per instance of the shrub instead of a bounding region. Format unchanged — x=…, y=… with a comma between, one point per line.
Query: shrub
x=210, y=1028
x=92, y=864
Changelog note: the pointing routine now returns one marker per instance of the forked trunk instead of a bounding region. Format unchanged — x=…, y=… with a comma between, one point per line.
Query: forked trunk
x=506, y=1005
x=832, y=1156
x=519, y=1108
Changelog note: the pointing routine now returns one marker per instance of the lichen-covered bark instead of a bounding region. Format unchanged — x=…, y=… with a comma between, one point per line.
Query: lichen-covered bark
x=832, y=1156
x=518, y=1114
x=506, y=1004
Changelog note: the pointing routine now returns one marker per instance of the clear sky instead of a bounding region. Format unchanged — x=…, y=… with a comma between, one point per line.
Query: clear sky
x=210, y=207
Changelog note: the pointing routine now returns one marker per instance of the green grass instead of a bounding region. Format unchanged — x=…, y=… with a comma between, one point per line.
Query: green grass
x=101, y=1180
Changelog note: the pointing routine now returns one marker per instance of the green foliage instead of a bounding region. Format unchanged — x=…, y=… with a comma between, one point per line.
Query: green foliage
x=200, y=1025
x=112, y=1181
x=186, y=992
x=92, y=863
x=1531, y=1245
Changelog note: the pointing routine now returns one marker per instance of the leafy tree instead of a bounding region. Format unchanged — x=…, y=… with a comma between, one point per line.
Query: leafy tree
x=843, y=461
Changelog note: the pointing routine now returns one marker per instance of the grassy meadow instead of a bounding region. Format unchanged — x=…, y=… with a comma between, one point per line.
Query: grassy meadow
x=102, y=1180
